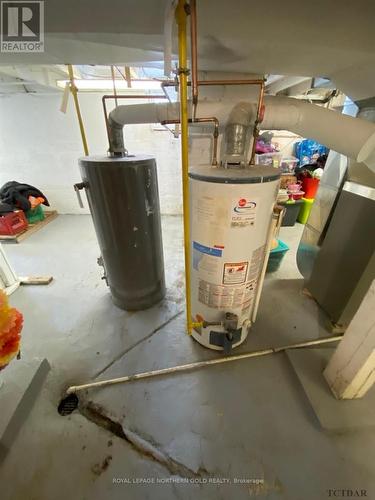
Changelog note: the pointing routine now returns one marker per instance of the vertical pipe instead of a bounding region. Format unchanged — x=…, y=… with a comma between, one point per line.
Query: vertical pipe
x=194, y=56
x=257, y=121
x=262, y=275
x=128, y=76
x=74, y=91
x=183, y=70
x=114, y=83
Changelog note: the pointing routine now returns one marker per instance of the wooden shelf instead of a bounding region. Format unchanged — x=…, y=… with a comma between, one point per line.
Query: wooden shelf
x=32, y=228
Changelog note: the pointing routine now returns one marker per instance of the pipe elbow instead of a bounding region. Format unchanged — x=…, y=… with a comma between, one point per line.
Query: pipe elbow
x=115, y=137
x=352, y=137
x=136, y=114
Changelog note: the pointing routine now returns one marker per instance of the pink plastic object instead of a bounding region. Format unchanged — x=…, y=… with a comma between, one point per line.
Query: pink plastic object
x=294, y=187
x=296, y=195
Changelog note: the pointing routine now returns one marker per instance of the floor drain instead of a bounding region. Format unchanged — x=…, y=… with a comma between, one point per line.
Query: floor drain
x=68, y=405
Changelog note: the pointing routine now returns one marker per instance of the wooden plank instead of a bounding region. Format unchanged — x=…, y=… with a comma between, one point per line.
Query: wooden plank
x=32, y=228
x=35, y=280
x=351, y=370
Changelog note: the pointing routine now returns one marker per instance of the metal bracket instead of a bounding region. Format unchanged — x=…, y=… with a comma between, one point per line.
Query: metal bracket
x=185, y=71
x=225, y=339
x=77, y=188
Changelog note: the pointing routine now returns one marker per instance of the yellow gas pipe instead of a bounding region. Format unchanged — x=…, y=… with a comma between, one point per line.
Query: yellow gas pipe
x=181, y=16
x=74, y=91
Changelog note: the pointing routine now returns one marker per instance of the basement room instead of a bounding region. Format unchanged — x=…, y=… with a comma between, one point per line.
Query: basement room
x=187, y=250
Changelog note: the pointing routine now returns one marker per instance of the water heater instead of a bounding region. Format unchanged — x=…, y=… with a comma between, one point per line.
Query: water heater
x=231, y=212
x=124, y=204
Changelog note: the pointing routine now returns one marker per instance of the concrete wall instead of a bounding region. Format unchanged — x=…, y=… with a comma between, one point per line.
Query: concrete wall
x=40, y=145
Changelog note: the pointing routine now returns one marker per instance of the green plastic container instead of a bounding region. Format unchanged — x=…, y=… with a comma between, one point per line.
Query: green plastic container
x=305, y=210
x=291, y=212
x=276, y=256
x=35, y=214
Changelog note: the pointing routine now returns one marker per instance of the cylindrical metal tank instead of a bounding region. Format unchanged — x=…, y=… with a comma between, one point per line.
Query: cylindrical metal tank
x=231, y=212
x=124, y=204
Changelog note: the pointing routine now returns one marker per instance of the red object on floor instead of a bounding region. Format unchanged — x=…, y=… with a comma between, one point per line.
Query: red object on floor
x=310, y=186
x=13, y=223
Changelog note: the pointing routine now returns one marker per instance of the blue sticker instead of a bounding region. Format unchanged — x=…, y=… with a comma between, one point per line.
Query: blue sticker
x=215, y=252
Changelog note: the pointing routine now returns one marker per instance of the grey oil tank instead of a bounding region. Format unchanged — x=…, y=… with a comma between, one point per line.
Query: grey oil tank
x=124, y=203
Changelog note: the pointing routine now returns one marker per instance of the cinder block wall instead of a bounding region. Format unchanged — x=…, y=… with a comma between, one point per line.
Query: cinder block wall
x=40, y=145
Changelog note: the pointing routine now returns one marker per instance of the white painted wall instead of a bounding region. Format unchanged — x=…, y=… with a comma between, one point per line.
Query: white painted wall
x=40, y=145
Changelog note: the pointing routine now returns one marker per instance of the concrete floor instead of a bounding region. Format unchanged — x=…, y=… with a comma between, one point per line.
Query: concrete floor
x=248, y=420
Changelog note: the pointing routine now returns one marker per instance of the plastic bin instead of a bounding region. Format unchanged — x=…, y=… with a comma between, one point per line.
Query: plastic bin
x=291, y=212
x=271, y=159
x=276, y=256
x=305, y=210
x=35, y=214
x=288, y=164
x=13, y=223
x=310, y=186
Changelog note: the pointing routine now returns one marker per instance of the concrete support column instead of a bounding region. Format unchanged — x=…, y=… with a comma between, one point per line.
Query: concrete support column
x=350, y=372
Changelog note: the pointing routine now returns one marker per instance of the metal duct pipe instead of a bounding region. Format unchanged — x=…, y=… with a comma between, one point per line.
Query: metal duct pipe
x=353, y=137
x=342, y=133
x=136, y=113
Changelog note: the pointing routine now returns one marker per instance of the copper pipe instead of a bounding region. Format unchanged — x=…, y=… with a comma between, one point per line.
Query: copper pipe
x=257, y=122
x=194, y=55
x=142, y=96
x=172, y=83
x=213, y=120
x=260, y=102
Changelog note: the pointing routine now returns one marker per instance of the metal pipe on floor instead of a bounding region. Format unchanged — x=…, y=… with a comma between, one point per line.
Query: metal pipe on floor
x=202, y=364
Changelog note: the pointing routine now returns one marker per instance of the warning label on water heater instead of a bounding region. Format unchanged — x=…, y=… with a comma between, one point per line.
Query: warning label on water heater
x=223, y=297
x=235, y=273
x=243, y=212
